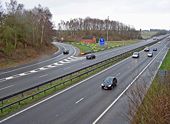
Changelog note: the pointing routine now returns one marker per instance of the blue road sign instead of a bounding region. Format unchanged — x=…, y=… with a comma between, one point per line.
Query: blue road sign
x=102, y=41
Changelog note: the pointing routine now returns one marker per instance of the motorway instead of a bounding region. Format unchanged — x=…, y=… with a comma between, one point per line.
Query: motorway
x=84, y=103
x=13, y=81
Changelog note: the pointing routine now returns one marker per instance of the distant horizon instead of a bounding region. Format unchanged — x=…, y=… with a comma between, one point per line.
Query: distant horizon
x=145, y=15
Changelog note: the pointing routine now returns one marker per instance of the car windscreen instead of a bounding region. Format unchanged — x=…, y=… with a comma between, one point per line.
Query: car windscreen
x=108, y=81
x=135, y=53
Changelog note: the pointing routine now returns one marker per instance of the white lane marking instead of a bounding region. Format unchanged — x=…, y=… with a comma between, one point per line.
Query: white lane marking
x=33, y=71
x=22, y=74
x=43, y=75
x=66, y=60
x=36, y=104
x=57, y=63
x=79, y=100
x=118, y=74
x=7, y=87
x=62, y=62
x=106, y=110
x=8, y=78
x=42, y=68
x=50, y=66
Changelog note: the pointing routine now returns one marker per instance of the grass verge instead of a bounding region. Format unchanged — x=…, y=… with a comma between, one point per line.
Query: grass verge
x=155, y=107
x=95, y=47
x=166, y=63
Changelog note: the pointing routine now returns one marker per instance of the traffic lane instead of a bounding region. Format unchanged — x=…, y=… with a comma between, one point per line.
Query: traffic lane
x=125, y=48
x=106, y=56
x=89, y=90
x=65, y=46
x=37, y=78
x=119, y=112
x=72, y=52
x=30, y=81
x=141, y=43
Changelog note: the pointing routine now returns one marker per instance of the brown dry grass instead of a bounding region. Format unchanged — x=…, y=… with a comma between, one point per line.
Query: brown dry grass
x=154, y=107
x=25, y=55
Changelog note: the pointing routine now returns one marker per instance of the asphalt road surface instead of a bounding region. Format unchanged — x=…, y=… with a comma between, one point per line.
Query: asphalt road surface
x=23, y=78
x=85, y=102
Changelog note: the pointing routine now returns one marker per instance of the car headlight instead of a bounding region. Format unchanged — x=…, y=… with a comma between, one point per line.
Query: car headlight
x=102, y=84
x=109, y=85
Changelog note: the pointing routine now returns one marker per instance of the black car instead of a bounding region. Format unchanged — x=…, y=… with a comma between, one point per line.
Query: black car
x=90, y=56
x=65, y=52
x=109, y=83
x=146, y=49
x=154, y=49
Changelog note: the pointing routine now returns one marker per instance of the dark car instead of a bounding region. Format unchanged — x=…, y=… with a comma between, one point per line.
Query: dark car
x=109, y=83
x=65, y=52
x=146, y=49
x=154, y=49
x=135, y=55
x=90, y=56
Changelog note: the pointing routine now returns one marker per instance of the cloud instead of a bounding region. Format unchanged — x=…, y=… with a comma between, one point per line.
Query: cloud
x=143, y=14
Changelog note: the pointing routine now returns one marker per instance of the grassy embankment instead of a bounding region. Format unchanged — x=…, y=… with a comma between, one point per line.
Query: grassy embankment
x=155, y=108
x=94, y=47
x=25, y=55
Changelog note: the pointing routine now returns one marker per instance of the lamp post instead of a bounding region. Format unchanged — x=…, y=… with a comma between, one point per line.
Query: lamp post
x=107, y=29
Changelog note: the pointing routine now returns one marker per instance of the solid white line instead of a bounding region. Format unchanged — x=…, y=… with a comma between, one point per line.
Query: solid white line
x=106, y=110
x=79, y=100
x=36, y=104
x=7, y=87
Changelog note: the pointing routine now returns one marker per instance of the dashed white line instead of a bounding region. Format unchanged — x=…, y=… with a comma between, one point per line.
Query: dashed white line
x=33, y=71
x=63, y=62
x=50, y=66
x=57, y=63
x=79, y=100
x=42, y=68
x=22, y=74
x=43, y=75
x=7, y=87
x=108, y=108
x=8, y=78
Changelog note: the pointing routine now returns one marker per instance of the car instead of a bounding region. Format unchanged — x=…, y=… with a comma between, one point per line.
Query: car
x=154, y=49
x=155, y=38
x=159, y=42
x=90, y=56
x=65, y=52
x=146, y=49
x=135, y=55
x=109, y=83
x=150, y=54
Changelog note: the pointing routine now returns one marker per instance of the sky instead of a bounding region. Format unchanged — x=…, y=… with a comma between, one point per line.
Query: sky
x=141, y=14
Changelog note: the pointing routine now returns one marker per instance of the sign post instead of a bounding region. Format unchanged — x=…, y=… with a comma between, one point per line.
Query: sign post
x=102, y=41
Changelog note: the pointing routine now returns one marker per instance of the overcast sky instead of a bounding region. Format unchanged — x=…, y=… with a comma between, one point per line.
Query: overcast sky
x=144, y=14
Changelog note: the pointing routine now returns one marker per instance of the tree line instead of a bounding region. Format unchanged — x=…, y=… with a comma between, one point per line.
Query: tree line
x=77, y=28
x=23, y=28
